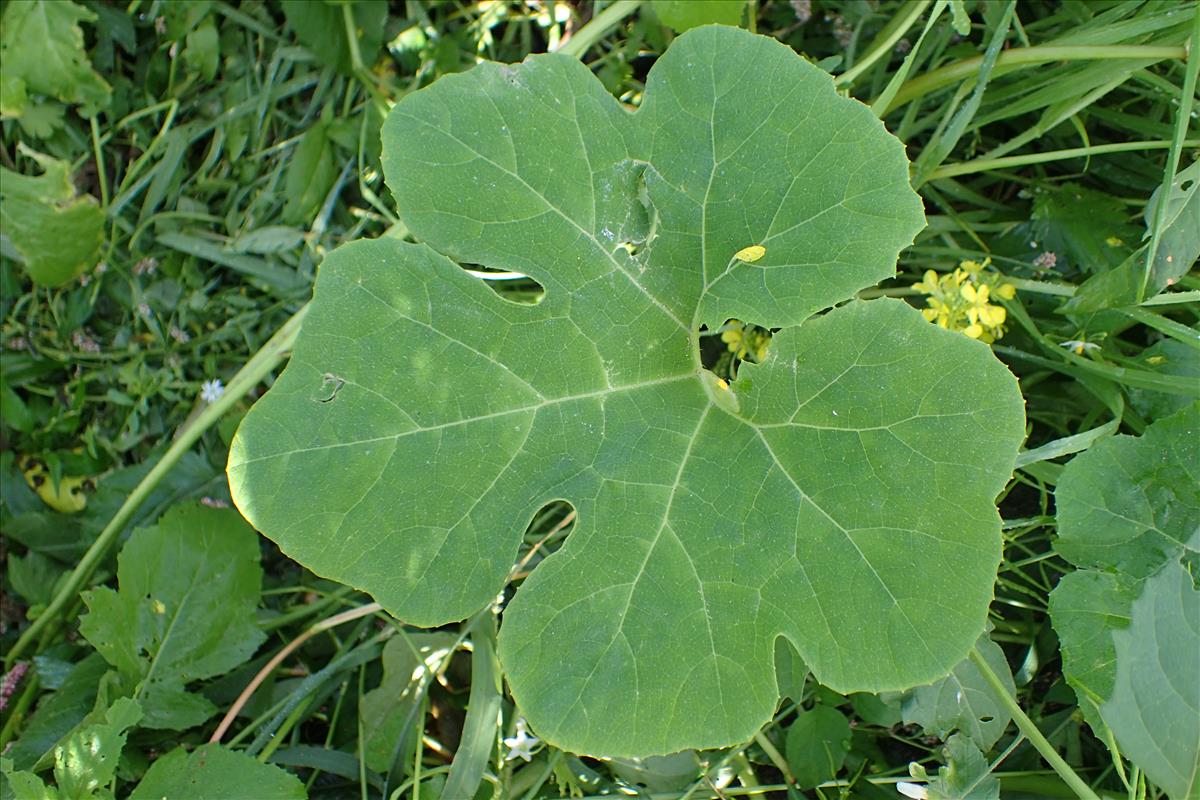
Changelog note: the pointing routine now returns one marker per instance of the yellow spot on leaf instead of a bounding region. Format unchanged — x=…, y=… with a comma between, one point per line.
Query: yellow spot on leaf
x=159, y=608
x=750, y=254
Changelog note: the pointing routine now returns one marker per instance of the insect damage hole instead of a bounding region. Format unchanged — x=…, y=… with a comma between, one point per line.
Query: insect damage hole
x=547, y=531
x=330, y=386
x=515, y=287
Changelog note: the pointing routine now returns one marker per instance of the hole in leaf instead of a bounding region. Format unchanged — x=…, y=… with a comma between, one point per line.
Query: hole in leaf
x=546, y=533
x=1183, y=187
x=330, y=386
x=987, y=718
x=515, y=287
x=722, y=351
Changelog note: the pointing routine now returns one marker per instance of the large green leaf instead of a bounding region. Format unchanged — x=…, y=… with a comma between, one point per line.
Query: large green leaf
x=85, y=763
x=963, y=701
x=57, y=233
x=213, y=772
x=41, y=46
x=423, y=420
x=1155, y=705
x=1128, y=509
x=184, y=610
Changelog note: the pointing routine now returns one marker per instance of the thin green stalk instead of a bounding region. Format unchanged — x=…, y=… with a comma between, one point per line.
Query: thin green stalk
x=582, y=40
x=885, y=41
x=1183, y=119
x=1029, y=56
x=356, y=61
x=258, y=367
x=1027, y=727
x=988, y=164
x=101, y=176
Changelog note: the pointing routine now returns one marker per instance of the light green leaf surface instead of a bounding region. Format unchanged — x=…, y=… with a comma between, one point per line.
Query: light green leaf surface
x=184, y=610
x=321, y=27
x=423, y=420
x=963, y=701
x=684, y=15
x=966, y=776
x=84, y=764
x=1131, y=504
x=1177, y=251
x=1154, y=710
x=38, y=213
x=388, y=711
x=1128, y=508
x=817, y=744
x=213, y=772
x=41, y=47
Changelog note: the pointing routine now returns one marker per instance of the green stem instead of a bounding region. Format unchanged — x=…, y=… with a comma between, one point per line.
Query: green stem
x=1183, y=119
x=356, y=61
x=953, y=73
x=1027, y=727
x=582, y=40
x=100, y=171
x=260, y=365
x=988, y=164
x=885, y=41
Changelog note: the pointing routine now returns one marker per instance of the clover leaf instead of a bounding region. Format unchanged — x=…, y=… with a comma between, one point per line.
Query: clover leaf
x=839, y=494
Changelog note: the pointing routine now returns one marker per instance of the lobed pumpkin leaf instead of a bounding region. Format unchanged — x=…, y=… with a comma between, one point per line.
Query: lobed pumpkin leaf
x=423, y=420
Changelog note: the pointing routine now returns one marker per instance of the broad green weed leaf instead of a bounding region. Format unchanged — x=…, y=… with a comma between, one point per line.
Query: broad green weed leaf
x=1128, y=508
x=1177, y=251
x=36, y=214
x=86, y=762
x=1131, y=504
x=684, y=15
x=387, y=712
x=423, y=420
x=966, y=775
x=41, y=47
x=59, y=713
x=320, y=25
x=963, y=701
x=1154, y=710
x=213, y=772
x=184, y=610
x=817, y=744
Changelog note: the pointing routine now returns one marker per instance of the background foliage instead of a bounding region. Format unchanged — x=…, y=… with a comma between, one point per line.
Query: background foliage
x=175, y=172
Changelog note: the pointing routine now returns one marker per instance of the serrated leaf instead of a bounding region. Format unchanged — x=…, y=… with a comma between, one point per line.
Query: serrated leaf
x=423, y=420
x=213, y=772
x=963, y=701
x=1128, y=508
x=1154, y=710
x=41, y=46
x=817, y=744
x=1079, y=223
x=1132, y=504
x=966, y=776
x=184, y=610
x=1177, y=252
x=58, y=713
x=35, y=214
x=84, y=764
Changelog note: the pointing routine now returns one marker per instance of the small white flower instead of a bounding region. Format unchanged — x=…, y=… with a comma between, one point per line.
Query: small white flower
x=521, y=745
x=914, y=790
x=211, y=391
x=1080, y=346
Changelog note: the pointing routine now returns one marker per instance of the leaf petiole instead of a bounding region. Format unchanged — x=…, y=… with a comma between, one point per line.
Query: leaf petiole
x=1027, y=727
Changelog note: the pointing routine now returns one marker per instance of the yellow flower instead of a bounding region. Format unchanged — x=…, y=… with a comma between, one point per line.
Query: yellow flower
x=929, y=285
x=979, y=310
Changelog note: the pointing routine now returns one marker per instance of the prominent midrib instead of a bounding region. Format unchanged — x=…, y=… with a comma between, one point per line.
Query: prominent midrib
x=479, y=418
